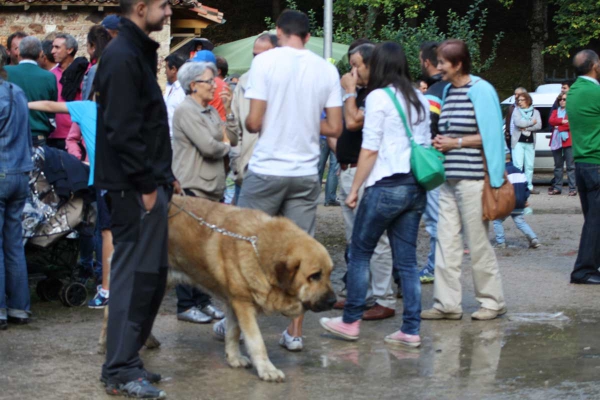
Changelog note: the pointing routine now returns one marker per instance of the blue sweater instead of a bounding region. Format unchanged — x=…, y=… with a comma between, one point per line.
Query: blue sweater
x=489, y=121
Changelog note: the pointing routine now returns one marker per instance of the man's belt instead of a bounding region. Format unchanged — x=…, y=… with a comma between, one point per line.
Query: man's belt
x=344, y=167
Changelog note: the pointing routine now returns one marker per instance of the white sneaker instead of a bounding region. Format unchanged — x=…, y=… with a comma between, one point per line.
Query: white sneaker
x=290, y=342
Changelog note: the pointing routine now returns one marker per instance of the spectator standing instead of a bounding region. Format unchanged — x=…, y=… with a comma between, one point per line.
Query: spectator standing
x=199, y=148
x=97, y=39
x=517, y=178
x=435, y=92
x=216, y=102
x=46, y=60
x=37, y=84
x=393, y=201
x=583, y=109
x=15, y=148
x=380, y=298
x=564, y=89
x=134, y=166
x=174, y=93
x=289, y=87
x=470, y=119
x=527, y=121
x=561, y=144
x=12, y=44
x=422, y=86
x=64, y=48
x=240, y=107
x=509, y=127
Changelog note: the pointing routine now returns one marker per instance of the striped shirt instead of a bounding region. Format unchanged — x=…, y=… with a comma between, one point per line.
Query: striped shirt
x=458, y=120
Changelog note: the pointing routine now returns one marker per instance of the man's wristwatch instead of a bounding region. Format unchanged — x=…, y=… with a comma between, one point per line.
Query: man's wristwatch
x=459, y=143
x=347, y=96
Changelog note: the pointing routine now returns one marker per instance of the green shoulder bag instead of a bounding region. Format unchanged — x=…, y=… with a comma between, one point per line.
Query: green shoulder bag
x=426, y=163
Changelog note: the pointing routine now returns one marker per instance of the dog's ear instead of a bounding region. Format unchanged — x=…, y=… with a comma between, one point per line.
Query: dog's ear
x=285, y=272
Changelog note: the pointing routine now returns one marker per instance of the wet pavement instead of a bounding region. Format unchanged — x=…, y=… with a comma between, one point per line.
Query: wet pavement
x=546, y=347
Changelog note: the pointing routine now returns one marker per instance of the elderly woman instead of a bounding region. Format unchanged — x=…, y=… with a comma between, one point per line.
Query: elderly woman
x=199, y=151
x=526, y=121
x=470, y=120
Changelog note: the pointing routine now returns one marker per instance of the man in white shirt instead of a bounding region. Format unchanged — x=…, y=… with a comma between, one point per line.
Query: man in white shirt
x=289, y=87
x=174, y=93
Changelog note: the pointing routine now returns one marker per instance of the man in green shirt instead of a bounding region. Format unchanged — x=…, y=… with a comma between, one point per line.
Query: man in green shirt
x=37, y=83
x=583, y=112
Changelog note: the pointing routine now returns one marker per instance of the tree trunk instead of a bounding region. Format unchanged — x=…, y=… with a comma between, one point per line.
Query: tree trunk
x=276, y=7
x=539, y=34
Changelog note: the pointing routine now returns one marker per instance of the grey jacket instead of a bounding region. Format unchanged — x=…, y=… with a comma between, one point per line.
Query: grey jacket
x=198, y=148
x=518, y=123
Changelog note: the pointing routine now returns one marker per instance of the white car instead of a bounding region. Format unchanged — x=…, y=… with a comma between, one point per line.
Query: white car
x=543, y=99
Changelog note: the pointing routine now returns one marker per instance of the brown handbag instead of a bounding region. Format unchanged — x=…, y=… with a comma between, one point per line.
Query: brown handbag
x=499, y=202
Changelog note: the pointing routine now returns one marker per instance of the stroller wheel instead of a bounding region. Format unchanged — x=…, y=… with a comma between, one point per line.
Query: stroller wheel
x=73, y=295
x=49, y=289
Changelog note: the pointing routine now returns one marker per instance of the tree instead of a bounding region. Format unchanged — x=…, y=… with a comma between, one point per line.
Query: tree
x=577, y=23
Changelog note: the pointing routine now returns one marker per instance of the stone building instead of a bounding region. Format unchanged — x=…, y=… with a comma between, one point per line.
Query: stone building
x=43, y=18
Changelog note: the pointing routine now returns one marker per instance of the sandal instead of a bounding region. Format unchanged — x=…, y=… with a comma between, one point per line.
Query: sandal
x=553, y=192
x=572, y=192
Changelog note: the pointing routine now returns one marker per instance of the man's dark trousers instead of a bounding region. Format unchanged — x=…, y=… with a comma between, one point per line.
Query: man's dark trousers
x=137, y=282
x=588, y=258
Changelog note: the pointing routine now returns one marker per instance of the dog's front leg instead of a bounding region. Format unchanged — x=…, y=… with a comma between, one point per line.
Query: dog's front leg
x=234, y=356
x=246, y=314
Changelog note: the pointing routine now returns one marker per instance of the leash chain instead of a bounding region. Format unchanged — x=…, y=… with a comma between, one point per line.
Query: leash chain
x=252, y=239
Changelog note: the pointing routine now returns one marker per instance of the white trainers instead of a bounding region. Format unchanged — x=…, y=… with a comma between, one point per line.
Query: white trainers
x=290, y=342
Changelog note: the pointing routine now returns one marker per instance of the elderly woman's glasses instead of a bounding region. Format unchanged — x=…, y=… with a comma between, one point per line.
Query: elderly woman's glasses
x=210, y=81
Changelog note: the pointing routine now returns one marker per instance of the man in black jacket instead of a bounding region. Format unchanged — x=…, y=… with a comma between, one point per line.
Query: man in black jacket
x=133, y=164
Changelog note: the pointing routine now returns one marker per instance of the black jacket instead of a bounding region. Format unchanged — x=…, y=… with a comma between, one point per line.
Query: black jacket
x=434, y=95
x=133, y=148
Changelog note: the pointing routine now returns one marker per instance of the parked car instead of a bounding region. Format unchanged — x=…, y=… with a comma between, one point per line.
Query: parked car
x=543, y=99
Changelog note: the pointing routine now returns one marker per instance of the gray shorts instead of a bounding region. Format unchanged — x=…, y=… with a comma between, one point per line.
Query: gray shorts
x=292, y=197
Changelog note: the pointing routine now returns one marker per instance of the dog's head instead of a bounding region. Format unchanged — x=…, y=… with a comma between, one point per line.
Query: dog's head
x=305, y=273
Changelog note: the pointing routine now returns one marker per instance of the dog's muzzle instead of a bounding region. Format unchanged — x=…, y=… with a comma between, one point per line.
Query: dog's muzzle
x=325, y=303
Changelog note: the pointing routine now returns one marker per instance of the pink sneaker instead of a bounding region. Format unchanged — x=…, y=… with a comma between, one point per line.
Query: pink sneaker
x=400, y=337
x=340, y=329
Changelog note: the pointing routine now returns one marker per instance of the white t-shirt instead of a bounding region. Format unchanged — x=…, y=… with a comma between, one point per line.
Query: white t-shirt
x=384, y=132
x=174, y=95
x=297, y=86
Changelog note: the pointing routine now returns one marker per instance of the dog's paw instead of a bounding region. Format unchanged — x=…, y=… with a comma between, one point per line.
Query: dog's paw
x=271, y=374
x=239, y=361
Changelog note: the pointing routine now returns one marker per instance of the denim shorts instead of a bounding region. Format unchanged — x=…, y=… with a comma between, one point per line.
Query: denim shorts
x=103, y=219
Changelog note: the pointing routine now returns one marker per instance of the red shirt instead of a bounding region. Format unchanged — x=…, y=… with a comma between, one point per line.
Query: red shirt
x=63, y=121
x=216, y=101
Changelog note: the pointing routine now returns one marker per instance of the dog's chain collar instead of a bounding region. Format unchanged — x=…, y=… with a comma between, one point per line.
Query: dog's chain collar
x=252, y=239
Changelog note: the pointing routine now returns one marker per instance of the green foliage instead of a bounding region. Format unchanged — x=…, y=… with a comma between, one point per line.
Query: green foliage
x=577, y=23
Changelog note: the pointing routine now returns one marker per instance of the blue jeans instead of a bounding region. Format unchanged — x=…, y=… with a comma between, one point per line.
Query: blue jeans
x=431, y=220
x=14, y=289
x=332, y=178
x=398, y=210
x=588, y=257
x=521, y=225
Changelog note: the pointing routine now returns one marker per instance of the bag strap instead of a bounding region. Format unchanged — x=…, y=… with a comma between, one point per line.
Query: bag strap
x=399, y=108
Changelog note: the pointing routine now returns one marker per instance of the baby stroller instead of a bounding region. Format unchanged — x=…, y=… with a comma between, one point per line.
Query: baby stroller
x=59, y=203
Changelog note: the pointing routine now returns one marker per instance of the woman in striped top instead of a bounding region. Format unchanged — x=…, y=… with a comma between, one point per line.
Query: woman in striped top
x=470, y=120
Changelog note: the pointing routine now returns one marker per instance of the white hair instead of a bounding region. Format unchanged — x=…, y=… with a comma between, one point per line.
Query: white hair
x=192, y=70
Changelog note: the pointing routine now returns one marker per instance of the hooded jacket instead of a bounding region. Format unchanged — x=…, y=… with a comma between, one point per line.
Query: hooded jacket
x=133, y=148
x=489, y=121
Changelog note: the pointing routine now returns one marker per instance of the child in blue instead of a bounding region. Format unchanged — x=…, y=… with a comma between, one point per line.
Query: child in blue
x=519, y=182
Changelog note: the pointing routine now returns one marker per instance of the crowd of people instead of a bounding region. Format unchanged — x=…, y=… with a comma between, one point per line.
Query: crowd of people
x=273, y=128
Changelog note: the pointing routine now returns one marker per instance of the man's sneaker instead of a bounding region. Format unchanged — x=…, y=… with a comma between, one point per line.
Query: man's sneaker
x=534, y=244
x=138, y=389
x=147, y=375
x=213, y=311
x=434, y=313
x=426, y=276
x=402, y=338
x=219, y=329
x=290, y=342
x=485, y=314
x=500, y=245
x=99, y=301
x=339, y=328
x=195, y=316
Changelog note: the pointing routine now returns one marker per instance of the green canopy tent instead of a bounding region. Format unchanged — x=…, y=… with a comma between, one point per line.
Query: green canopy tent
x=239, y=53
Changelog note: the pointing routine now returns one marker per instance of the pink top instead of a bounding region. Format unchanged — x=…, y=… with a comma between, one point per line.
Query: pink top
x=63, y=121
x=73, y=141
